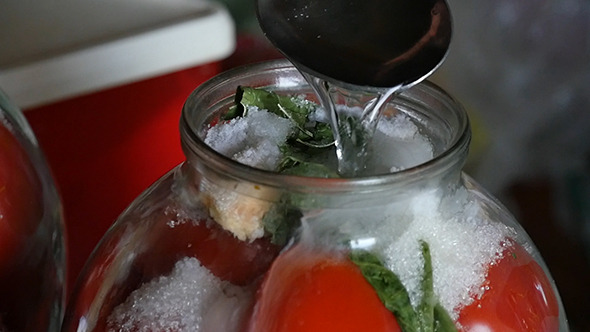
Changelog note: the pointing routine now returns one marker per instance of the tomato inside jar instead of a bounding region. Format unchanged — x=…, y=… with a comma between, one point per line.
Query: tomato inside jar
x=31, y=243
x=20, y=197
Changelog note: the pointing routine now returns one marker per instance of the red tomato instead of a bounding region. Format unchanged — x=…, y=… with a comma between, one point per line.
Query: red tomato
x=21, y=206
x=519, y=298
x=26, y=287
x=227, y=257
x=309, y=290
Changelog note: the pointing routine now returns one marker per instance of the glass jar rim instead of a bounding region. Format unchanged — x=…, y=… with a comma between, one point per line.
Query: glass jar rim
x=193, y=145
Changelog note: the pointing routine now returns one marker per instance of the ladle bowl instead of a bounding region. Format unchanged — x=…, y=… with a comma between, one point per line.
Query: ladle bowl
x=376, y=43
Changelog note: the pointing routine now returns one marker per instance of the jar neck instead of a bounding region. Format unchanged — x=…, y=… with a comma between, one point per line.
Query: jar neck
x=445, y=125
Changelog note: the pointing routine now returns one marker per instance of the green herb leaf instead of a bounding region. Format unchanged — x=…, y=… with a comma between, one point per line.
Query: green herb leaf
x=430, y=316
x=296, y=162
x=238, y=108
x=426, y=307
x=281, y=220
x=443, y=321
x=389, y=288
x=284, y=106
x=319, y=136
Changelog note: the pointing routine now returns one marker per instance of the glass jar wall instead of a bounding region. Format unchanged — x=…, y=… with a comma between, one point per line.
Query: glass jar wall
x=32, y=253
x=216, y=245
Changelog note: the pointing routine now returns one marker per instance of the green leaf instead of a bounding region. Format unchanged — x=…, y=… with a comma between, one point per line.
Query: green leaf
x=298, y=159
x=237, y=109
x=426, y=307
x=281, y=220
x=389, y=288
x=296, y=162
x=443, y=321
x=430, y=315
x=284, y=106
x=319, y=135
x=433, y=315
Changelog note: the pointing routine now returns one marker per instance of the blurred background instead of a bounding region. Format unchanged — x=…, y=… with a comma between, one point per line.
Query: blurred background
x=520, y=68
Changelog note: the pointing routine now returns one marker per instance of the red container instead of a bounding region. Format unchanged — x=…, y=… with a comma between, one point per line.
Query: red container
x=102, y=84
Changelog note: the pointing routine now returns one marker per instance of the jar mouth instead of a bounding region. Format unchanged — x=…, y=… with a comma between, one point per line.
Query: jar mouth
x=438, y=106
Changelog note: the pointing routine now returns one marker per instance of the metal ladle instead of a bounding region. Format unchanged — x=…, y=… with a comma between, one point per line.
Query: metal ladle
x=373, y=43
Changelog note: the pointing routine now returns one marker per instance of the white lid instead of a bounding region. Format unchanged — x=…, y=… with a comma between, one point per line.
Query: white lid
x=53, y=50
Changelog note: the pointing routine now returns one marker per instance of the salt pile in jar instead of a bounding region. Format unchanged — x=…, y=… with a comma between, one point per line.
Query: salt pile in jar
x=189, y=299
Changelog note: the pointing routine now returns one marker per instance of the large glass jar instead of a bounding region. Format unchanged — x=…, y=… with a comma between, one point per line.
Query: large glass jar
x=32, y=252
x=216, y=245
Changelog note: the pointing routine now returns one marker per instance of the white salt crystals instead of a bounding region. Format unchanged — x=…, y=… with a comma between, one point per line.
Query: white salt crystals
x=400, y=127
x=397, y=145
x=462, y=246
x=177, y=302
x=253, y=140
